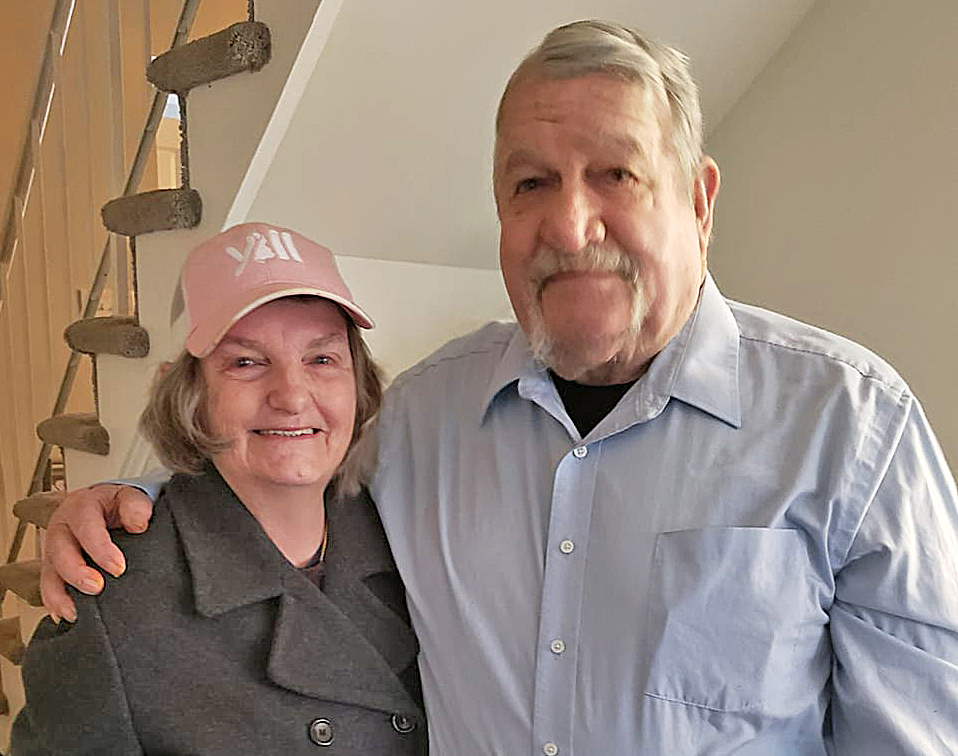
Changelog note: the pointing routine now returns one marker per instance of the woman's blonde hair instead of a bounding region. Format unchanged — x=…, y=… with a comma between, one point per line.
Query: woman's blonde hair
x=174, y=423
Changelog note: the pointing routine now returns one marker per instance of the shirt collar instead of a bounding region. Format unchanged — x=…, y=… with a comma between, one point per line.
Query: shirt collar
x=699, y=366
x=709, y=377
x=518, y=365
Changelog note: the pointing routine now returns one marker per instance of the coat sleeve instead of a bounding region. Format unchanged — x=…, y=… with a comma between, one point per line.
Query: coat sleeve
x=76, y=703
x=894, y=623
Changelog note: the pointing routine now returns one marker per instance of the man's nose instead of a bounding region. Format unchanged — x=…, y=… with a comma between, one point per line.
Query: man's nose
x=573, y=220
x=289, y=391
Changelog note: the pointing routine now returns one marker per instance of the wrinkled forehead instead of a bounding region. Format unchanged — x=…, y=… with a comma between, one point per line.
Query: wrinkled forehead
x=530, y=73
x=623, y=119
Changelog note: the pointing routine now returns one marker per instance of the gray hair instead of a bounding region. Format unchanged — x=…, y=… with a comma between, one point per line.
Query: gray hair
x=588, y=47
x=174, y=423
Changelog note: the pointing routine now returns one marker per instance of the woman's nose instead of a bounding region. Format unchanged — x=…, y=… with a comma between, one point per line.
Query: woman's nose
x=289, y=391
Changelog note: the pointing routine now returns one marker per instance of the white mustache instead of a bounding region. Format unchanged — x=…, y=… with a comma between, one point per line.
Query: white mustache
x=596, y=258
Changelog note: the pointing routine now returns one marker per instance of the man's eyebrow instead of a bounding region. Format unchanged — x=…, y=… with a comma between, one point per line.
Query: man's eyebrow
x=521, y=157
x=628, y=145
x=624, y=146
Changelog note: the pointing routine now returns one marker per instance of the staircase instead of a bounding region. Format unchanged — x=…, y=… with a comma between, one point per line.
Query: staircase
x=236, y=89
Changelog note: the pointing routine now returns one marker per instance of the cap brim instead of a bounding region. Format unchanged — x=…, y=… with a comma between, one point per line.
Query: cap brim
x=203, y=339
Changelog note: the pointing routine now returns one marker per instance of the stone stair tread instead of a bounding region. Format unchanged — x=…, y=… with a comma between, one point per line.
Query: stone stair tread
x=117, y=335
x=244, y=46
x=158, y=210
x=81, y=431
x=37, y=509
x=11, y=641
x=23, y=578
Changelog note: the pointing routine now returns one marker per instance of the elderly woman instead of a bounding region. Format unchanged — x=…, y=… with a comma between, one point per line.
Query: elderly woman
x=262, y=612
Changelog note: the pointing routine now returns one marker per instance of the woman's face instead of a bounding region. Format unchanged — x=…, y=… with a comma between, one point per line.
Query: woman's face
x=280, y=387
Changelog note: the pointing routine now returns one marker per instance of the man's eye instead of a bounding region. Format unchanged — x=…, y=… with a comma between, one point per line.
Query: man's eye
x=243, y=362
x=322, y=359
x=527, y=185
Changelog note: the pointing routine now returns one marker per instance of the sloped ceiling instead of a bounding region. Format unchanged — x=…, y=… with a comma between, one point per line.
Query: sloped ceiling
x=389, y=152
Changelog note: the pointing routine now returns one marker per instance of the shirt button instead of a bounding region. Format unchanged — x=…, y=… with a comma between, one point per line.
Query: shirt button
x=557, y=646
x=402, y=724
x=550, y=749
x=321, y=732
x=579, y=452
x=566, y=547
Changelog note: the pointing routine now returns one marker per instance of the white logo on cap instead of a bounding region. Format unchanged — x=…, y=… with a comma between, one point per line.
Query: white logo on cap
x=260, y=249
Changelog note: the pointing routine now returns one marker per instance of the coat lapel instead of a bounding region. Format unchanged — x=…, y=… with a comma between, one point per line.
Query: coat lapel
x=343, y=645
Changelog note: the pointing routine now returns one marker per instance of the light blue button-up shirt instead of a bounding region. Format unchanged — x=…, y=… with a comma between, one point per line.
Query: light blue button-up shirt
x=754, y=553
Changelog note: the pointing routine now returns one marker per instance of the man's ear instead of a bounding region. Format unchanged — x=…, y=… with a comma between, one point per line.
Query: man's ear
x=705, y=190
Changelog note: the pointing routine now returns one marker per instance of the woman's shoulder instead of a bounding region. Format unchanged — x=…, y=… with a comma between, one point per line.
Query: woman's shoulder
x=157, y=540
x=155, y=565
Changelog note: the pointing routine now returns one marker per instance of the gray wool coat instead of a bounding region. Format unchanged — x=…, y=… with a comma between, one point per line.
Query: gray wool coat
x=212, y=643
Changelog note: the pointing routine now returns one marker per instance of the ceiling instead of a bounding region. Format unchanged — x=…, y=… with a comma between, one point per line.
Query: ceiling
x=389, y=152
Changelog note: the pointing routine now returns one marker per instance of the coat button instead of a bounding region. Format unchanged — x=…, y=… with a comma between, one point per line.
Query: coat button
x=321, y=732
x=403, y=724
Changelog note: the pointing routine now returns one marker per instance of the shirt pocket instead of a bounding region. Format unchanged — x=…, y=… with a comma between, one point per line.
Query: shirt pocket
x=735, y=622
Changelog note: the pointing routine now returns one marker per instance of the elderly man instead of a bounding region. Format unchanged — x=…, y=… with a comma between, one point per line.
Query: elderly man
x=648, y=520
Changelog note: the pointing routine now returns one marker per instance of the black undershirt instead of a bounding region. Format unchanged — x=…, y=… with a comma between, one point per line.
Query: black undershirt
x=587, y=405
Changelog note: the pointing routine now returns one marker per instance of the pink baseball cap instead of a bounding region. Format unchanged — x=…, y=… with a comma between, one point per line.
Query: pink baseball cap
x=251, y=264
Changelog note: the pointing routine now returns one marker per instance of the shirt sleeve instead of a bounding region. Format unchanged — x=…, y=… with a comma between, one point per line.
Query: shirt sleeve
x=151, y=484
x=894, y=622
x=75, y=698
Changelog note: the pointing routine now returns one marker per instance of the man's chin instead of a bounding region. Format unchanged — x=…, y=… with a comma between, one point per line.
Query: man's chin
x=574, y=362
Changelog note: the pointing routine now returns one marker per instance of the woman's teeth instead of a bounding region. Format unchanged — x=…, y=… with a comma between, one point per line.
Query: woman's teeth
x=299, y=432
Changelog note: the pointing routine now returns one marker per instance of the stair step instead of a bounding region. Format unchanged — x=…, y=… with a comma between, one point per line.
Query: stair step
x=37, y=509
x=23, y=578
x=244, y=46
x=82, y=432
x=159, y=210
x=110, y=335
x=11, y=642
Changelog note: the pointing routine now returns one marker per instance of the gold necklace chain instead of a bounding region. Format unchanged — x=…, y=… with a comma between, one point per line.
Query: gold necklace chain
x=322, y=548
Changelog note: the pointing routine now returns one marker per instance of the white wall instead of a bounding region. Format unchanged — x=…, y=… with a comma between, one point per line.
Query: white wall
x=417, y=306
x=840, y=170
x=389, y=153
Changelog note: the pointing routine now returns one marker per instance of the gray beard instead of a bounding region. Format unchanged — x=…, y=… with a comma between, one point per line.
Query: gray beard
x=568, y=360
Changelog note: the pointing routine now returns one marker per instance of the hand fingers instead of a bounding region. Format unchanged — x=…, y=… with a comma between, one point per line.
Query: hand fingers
x=54, y=595
x=94, y=539
x=63, y=561
x=135, y=509
x=85, y=514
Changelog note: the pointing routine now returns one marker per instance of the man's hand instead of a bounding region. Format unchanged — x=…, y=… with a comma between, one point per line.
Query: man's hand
x=80, y=524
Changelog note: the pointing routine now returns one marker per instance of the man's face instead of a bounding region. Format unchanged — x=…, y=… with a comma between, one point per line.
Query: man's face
x=602, y=249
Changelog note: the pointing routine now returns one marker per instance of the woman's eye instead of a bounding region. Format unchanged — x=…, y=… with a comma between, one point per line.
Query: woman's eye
x=322, y=359
x=619, y=174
